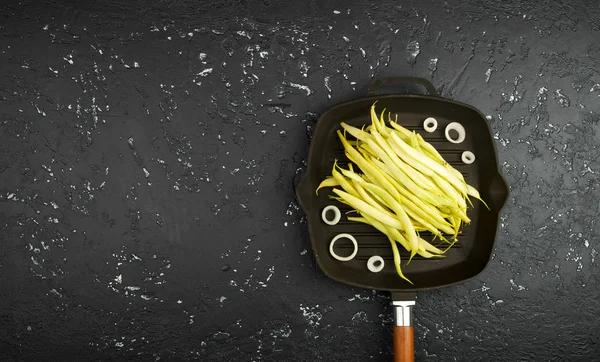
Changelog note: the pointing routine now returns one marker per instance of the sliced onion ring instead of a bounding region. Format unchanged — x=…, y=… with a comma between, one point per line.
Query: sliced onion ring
x=337, y=215
x=459, y=129
x=468, y=157
x=373, y=267
x=430, y=124
x=343, y=258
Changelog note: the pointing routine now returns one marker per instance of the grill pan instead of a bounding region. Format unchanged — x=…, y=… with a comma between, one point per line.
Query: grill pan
x=465, y=260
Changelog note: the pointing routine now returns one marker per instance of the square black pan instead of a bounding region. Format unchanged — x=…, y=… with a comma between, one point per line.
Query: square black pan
x=464, y=260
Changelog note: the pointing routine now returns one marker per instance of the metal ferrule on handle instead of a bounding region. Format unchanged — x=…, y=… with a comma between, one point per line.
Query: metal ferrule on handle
x=403, y=313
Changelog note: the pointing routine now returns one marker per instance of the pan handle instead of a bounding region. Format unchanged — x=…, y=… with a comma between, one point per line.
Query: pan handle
x=404, y=343
x=379, y=83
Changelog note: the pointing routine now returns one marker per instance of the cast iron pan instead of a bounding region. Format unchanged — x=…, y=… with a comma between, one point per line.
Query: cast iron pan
x=465, y=260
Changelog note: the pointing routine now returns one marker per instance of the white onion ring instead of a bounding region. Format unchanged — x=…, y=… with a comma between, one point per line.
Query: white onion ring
x=430, y=124
x=336, y=218
x=371, y=264
x=459, y=129
x=343, y=258
x=468, y=157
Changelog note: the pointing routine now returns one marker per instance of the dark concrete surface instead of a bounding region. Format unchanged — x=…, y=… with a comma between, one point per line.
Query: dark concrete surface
x=148, y=152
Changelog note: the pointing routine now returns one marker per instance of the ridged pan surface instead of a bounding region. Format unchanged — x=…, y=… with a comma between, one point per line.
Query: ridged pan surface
x=467, y=258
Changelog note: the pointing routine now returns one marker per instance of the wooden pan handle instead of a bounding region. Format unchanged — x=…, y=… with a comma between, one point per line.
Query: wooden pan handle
x=404, y=340
x=404, y=344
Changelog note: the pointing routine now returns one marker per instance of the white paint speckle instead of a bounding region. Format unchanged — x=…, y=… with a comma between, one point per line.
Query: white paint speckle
x=514, y=285
x=311, y=315
x=119, y=279
x=271, y=272
x=488, y=74
x=327, y=86
x=146, y=173
x=244, y=33
x=302, y=87
x=205, y=72
x=413, y=49
x=360, y=316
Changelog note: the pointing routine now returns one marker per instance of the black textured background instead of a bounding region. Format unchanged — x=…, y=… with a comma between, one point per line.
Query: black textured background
x=147, y=207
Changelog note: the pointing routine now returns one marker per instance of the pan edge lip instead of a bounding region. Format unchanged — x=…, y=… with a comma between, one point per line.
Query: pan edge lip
x=404, y=290
x=302, y=185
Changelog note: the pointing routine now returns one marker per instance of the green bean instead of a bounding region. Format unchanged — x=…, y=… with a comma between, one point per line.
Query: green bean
x=328, y=182
x=398, y=173
x=418, y=214
x=358, y=159
x=355, y=132
x=366, y=209
x=401, y=214
x=432, y=165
